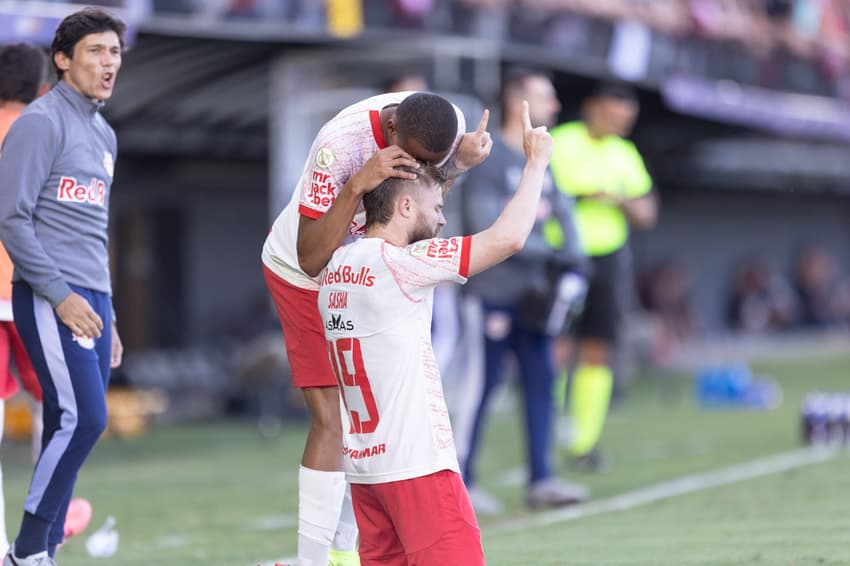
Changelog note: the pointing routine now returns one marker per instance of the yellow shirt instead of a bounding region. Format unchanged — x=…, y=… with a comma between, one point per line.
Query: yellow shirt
x=581, y=166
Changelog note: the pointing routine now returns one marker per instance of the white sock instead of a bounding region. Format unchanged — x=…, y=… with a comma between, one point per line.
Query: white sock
x=345, y=538
x=320, y=496
x=4, y=540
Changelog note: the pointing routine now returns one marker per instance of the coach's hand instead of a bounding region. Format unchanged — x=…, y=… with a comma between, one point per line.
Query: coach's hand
x=77, y=314
x=381, y=166
x=117, y=348
x=475, y=146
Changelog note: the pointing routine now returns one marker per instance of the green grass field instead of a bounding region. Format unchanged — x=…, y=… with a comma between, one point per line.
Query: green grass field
x=220, y=494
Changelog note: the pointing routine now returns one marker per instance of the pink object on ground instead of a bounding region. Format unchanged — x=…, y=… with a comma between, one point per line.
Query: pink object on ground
x=78, y=517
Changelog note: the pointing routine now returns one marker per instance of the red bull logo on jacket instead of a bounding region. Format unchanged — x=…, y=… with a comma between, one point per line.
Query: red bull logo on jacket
x=71, y=191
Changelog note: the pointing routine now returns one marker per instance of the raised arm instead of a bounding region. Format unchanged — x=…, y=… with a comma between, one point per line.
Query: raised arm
x=319, y=238
x=474, y=147
x=508, y=233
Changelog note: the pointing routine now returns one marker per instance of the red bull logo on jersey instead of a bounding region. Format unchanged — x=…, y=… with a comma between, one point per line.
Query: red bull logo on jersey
x=321, y=192
x=347, y=275
x=71, y=191
x=366, y=452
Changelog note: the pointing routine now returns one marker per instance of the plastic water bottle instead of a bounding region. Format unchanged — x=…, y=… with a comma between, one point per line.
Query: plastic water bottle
x=835, y=420
x=570, y=291
x=103, y=543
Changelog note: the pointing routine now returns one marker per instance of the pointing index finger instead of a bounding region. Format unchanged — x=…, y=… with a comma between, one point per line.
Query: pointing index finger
x=526, y=118
x=482, y=125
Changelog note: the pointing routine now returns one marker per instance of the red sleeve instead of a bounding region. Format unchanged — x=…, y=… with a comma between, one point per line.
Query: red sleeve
x=309, y=212
x=465, y=247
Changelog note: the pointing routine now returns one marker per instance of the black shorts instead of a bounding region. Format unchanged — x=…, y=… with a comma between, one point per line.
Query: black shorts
x=606, y=299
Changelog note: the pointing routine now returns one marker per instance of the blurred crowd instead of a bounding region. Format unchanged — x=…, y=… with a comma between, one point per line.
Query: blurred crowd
x=811, y=29
x=761, y=299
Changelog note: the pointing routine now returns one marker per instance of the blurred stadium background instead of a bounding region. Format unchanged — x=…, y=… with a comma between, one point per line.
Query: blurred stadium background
x=745, y=127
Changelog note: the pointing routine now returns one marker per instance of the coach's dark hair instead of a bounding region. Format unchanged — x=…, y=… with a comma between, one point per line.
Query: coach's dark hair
x=80, y=24
x=380, y=202
x=23, y=69
x=428, y=118
x=612, y=89
x=513, y=80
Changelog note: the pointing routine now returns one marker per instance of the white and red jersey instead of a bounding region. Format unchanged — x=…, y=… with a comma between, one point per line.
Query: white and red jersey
x=376, y=302
x=340, y=149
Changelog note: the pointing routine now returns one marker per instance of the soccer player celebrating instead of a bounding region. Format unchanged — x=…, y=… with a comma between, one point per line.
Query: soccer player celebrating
x=375, y=299
x=353, y=153
x=55, y=180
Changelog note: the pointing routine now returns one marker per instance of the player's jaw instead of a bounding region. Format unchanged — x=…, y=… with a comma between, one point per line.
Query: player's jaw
x=425, y=228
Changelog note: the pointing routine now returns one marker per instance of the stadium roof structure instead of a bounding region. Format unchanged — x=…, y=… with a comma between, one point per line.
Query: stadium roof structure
x=193, y=96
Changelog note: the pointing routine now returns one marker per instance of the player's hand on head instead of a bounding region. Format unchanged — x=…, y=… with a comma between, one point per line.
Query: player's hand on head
x=475, y=146
x=536, y=141
x=386, y=163
x=76, y=313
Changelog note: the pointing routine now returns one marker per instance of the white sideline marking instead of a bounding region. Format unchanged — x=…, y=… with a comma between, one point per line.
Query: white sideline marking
x=660, y=491
x=271, y=523
x=665, y=490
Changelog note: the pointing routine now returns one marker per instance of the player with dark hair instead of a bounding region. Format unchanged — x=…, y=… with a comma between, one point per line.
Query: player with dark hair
x=509, y=307
x=352, y=154
x=55, y=178
x=23, y=76
x=376, y=300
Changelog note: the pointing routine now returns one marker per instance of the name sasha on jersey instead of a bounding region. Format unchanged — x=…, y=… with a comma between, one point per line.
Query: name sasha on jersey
x=337, y=300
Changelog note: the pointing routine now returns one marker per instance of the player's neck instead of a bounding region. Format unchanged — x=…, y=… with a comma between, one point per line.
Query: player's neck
x=393, y=234
x=12, y=106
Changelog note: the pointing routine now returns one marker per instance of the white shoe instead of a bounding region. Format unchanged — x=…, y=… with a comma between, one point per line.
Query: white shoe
x=40, y=559
x=483, y=502
x=555, y=492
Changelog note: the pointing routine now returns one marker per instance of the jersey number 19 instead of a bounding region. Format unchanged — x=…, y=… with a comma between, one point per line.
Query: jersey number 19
x=347, y=363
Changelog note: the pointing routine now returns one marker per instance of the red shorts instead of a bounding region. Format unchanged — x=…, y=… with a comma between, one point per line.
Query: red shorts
x=418, y=522
x=12, y=348
x=303, y=332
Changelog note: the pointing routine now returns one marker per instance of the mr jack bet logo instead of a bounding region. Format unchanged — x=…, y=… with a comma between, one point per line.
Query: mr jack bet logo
x=322, y=190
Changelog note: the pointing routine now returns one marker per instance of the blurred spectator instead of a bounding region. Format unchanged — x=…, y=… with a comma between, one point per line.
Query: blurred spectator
x=823, y=299
x=511, y=293
x=665, y=294
x=605, y=173
x=761, y=299
x=414, y=82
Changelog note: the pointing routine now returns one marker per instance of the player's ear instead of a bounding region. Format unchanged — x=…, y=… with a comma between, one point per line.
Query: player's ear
x=62, y=61
x=406, y=206
x=392, y=131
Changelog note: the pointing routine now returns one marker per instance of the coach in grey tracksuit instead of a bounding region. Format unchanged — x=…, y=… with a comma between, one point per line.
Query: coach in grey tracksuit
x=514, y=296
x=56, y=169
